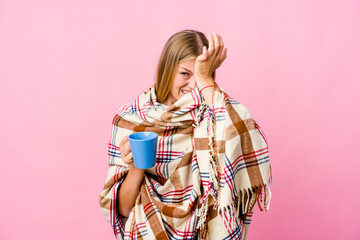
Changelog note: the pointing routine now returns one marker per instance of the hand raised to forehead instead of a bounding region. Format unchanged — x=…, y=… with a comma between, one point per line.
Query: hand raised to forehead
x=211, y=58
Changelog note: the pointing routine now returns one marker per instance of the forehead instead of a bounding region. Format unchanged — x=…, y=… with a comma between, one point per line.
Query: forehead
x=189, y=65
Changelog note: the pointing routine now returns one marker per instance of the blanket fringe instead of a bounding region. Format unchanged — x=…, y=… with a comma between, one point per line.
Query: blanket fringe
x=214, y=187
x=212, y=190
x=260, y=194
x=214, y=166
x=202, y=213
x=229, y=216
x=247, y=199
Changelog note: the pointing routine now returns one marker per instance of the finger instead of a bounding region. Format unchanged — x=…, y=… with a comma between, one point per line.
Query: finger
x=214, y=57
x=129, y=158
x=221, y=45
x=125, y=149
x=205, y=52
x=203, y=55
x=220, y=49
x=223, y=55
x=217, y=46
x=124, y=140
x=211, y=46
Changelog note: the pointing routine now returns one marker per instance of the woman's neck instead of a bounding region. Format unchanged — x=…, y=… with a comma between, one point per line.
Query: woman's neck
x=169, y=101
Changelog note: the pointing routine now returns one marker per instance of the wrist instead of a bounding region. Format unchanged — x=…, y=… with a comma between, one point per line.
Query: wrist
x=202, y=81
x=210, y=87
x=136, y=171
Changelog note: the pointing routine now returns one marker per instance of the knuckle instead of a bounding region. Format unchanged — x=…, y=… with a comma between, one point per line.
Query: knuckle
x=127, y=160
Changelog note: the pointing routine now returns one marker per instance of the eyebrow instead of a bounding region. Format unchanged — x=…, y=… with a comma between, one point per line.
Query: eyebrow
x=186, y=69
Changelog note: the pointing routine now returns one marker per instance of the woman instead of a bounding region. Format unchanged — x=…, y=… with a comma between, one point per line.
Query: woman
x=212, y=158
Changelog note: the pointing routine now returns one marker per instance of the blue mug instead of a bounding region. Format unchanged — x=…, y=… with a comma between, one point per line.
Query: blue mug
x=143, y=147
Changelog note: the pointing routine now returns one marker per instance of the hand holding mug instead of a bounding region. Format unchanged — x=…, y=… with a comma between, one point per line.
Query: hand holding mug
x=125, y=151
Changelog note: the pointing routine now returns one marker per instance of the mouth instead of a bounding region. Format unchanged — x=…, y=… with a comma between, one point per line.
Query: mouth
x=185, y=91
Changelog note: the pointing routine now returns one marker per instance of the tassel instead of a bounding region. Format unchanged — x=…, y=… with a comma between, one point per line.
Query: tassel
x=247, y=200
x=243, y=201
x=202, y=213
x=269, y=198
x=238, y=202
x=233, y=216
x=229, y=216
x=199, y=115
x=258, y=198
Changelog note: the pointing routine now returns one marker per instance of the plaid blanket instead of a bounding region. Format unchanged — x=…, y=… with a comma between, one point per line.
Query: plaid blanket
x=212, y=166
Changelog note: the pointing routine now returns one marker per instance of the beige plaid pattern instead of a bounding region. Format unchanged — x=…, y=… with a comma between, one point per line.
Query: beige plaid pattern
x=219, y=169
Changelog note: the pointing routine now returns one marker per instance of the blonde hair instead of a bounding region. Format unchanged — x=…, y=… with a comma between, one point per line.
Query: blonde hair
x=182, y=46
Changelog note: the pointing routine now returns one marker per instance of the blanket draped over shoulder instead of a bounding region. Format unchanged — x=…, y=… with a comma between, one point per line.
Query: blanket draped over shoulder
x=212, y=166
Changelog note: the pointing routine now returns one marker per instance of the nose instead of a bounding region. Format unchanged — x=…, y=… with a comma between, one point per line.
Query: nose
x=192, y=82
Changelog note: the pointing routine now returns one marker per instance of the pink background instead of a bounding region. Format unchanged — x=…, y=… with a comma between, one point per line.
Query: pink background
x=67, y=66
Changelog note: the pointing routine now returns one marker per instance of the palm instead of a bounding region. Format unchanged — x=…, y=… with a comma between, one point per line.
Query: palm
x=211, y=58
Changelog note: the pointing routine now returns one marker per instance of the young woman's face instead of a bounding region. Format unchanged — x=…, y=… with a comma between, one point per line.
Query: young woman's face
x=183, y=82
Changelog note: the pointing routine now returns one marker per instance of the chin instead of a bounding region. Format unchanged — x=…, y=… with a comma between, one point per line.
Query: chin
x=182, y=94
